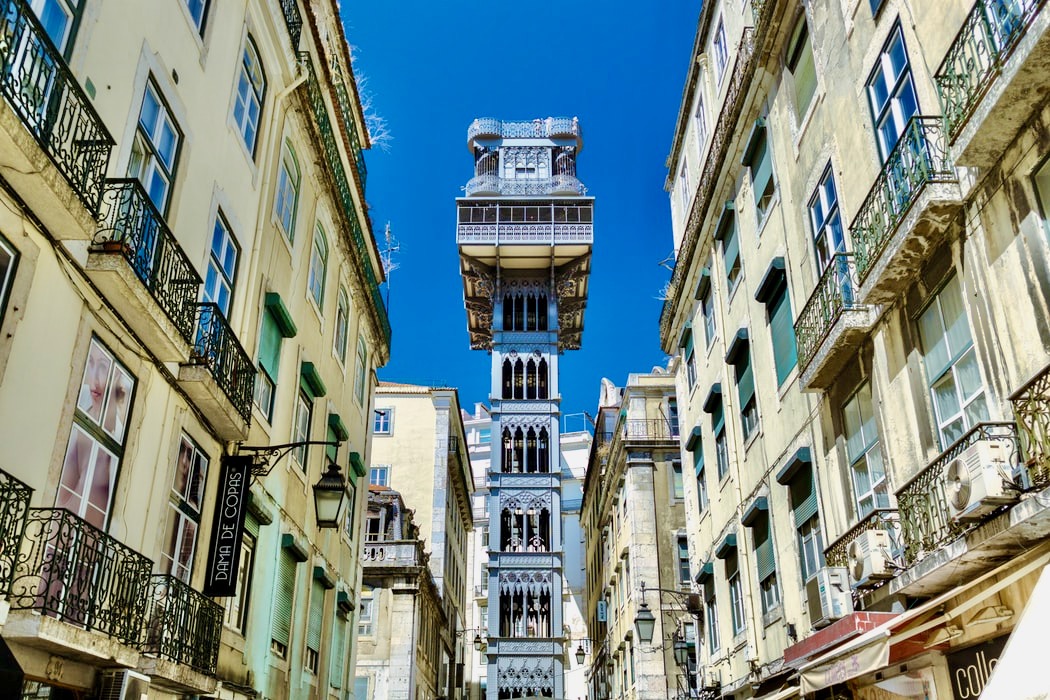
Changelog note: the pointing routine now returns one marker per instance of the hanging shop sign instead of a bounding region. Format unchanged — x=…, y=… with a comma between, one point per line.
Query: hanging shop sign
x=227, y=527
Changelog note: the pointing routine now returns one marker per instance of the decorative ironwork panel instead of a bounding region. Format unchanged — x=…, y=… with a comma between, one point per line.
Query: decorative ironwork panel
x=521, y=560
x=293, y=21
x=14, y=507
x=926, y=521
x=216, y=347
x=920, y=158
x=1031, y=405
x=41, y=89
x=552, y=127
x=347, y=111
x=491, y=184
x=886, y=519
x=326, y=134
x=392, y=553
x=525, y=500
x=985, y=42
x=133, y=226
x=182, y=625
x=71, y=570
x=836, y=291
x=636, y=429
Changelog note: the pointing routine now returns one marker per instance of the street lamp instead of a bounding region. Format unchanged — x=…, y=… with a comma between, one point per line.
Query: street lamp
x=329, y=494
x=681, y=650
x=477, y=642
x=645, y=622
x=580, y=654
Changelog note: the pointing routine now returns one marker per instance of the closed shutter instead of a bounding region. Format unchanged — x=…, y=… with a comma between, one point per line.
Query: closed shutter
x=730, y=248
x=251, y=525
x=282, y=604
x=745, y=380
x=698, y=459
x=803, y=496
x=765, y=560
x=270, y=345
x=761, y=168
x=338, y=652
x=783, y=331
x=313, y=627
x=331, y=450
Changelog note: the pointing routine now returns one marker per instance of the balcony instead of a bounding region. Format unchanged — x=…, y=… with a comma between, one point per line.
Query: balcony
x=648, y=430
x=985, y=81
x=143, y=271
x=182, y=634
x=491, y=185
x=906, y=213
x=293, y=21
x=885, y=519
x=219, y=376
x=392, y=553
x=832, y=324
x=551, y=128
x=85, y=593
x=14, y=509
x=54, y=145
x=1031, y=404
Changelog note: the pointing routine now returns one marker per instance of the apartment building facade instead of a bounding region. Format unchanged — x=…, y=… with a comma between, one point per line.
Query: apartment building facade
x=859, y=203
x=188, y=285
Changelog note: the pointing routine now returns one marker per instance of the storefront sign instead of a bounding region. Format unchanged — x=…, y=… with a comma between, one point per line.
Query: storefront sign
x=868, y=658
x=971, y=667
x=227, y=528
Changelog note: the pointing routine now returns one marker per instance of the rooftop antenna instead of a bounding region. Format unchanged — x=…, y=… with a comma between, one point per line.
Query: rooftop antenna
x=387, y=257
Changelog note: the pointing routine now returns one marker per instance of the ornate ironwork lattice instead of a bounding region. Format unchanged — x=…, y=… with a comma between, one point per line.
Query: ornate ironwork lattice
x=217, y=348
x=182, y=625
x=14, y=508
x=836, y=292
x=1032, y=410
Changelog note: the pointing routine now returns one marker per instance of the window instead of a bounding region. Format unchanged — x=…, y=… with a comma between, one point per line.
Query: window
x=314, y=623
x=383, y=421
x=720, y=51
x=187, y=493
x=379, y=475
x=803, y=70
x=952, y=369
x=824, y=217
x=865, y=453
x=802, y=490
x=251, y=86
x=711, y=616
x=222, y=265
x=782, y=331
x=701, y=476
x=683, y=561
x=701, y=125
x=337, y=662
x=891, y=93
x=198, y=11
x=721, y=445
x=274, y=326
x=707, y=311
x=770, y=593
x=350, y=524
x=672, y=416
x=485, y=582
x=677, y=489
x=361, y=371
x=301, y=428
x=765, y=562
x=731, y=254
x=286, y=198
x=690, y=360
x=683, y=186
x=745, y=386
x=366, y=618
x=342, y=322
x=8, y=265
x=736, y=593
x=811, y=548
x=284, y=597
x=235, y=615
x=318, y=266
x=760, y=162
x=96, y=440
x=56, y=17
x=154, y=153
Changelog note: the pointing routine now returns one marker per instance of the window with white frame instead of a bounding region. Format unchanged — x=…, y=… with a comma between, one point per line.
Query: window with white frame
x=677, y=487
x=707, y=312
x=366, y=617
x=361, y=371
x=251, y=88
x=802, y=67
x=672, y=416
x=891, y=93
x=731, y=254
x=864, y=452
x=701, y=126
x=57, y=17
x=198, y=11
x=1042, y=190
x=301, y=428
x=701, y=476
x=765, y=562
x=184, y=516
x=8, y=265
x=720, y=51
x=342, y=324
x=235, y=614
x=379, y=475
x=155, y=150
x=222, y=266
x=286, y=196
x=718, y=427
x=952, y=368
x=803, y=494
x=318, y=266
x=760, y=164
x=736, y=593
x=825, y=220
x=683, y=561
x=383, y=421
x=683, y=186
x=711, y=615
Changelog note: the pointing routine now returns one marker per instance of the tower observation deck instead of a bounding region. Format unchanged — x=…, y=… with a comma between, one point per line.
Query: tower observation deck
x=524, y=231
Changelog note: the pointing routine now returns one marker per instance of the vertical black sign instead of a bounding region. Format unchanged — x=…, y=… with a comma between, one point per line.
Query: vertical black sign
x=971, y=667
x=227, y=527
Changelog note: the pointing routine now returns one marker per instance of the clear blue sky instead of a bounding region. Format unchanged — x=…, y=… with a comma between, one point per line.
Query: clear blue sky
x=431, y=68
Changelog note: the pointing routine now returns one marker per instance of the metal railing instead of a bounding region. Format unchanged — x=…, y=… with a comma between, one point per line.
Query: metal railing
x=986, y=40
x=648, y=429
x=886, y=519
x=216, y=347
x=1031, y=404
x=537, y=128
x=400, y=552
x=182, y=625
x=509, y=186
x=293, y=20
x=325, y=131
x=919, y=159
x=40, y=87
x=346, y=109
x=926, y=522
x=68, y=569
x=14, y=508
x=132, y=226
x=836, y=291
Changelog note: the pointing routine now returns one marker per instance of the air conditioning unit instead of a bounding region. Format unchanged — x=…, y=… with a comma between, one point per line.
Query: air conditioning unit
x=710, y=678
x=978, y=481
x=869, y=558
x=121, y=684
x=828, y=596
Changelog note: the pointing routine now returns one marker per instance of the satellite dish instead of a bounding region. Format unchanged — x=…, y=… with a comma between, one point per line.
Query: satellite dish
x=957, y=484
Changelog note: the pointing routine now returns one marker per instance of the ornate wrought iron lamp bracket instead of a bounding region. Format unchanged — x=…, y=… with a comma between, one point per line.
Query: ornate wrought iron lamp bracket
x=265, y=457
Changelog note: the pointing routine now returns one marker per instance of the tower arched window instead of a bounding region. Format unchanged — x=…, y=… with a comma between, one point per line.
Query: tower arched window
x=530, y=380
x=508, y=312
x=530, y=312
x=519, y=312
x=519, y=379
x=519, y=451
x=543, y=451
x=508, y=451
x=531, y=455
x=507, y=379
x=542, y=379
x=541, y=321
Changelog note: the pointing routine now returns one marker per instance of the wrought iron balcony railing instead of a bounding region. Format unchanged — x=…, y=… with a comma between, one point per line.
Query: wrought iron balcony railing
x=987, y=39
x=216, y=347
x=68, y=569
x=391, y=553
x=323, y=122
x=836, y=291
x=887, y=519
x=182, y=625
x=926, y=521
x=493, y=184
x=919, y=159
x=132, y=226
x=347, y=112
x=293, y=21
x=538, y=128
x=648, y=429
x=1031, y=405
x=40, y=87
x=14, y=508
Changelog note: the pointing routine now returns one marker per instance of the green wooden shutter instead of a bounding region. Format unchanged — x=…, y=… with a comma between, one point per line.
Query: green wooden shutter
x=284, y=595
x=717, y=418
x=331, y=450
x=698, y=459
x=803, y=496
x=251, y=525
x=761, y=168
x=313, y=626
x=745, y=380
x=765, y=560
x=730, y=248
x=270, y=345
x=338, y=652
x=783, y=331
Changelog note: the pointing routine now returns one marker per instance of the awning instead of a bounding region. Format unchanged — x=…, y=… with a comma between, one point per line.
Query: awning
x=1014, y=677
x=782, y=694
x=866, y=654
